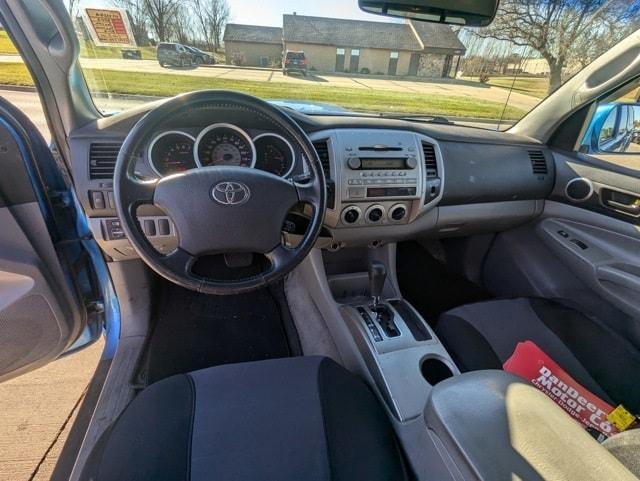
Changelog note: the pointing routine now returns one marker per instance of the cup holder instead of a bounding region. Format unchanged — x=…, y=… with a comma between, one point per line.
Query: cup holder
x=434, y=370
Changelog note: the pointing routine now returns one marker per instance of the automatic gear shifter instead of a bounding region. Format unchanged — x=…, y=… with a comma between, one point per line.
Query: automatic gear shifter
x=384, y=315
x=377, y=278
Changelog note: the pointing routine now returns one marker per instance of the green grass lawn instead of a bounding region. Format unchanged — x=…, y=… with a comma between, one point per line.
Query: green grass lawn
x=6, y=45
x=534, y=86
x=165, y=85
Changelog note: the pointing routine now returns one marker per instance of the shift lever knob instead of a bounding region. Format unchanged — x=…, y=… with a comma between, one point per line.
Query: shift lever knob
x=377, y=277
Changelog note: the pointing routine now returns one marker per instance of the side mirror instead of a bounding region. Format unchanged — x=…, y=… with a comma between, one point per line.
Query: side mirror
x=472, y=13
x=612, y=130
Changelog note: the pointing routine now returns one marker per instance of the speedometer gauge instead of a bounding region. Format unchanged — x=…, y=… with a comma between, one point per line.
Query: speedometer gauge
x=225, y=145
x=275, y=154
x=171, y=152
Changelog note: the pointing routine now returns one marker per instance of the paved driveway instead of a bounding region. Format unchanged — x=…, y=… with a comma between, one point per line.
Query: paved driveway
x=436, y=87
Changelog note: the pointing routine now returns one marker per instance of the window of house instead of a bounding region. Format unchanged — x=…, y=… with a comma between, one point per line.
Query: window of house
x=340, y=51
x=355, y=52
x=394, y=55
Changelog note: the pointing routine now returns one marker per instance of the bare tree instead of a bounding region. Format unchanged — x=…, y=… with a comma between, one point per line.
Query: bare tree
x=212, y=17
x=557, y=28
x=72, y=6
x=138, y=18
x=161, y=14
x=183, y=27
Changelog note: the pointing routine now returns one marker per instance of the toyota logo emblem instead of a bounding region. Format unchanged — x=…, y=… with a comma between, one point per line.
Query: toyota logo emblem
x=230, y=193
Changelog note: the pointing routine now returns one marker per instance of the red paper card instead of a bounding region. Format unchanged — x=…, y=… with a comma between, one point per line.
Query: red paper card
x=534, y=365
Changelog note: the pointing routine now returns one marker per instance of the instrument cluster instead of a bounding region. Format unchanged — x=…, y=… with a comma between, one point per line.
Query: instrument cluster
x=220, y=144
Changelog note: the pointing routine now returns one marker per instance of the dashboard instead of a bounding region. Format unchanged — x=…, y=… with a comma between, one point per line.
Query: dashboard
x=387, y=180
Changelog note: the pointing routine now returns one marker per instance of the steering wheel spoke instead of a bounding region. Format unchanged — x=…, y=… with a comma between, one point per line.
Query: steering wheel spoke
x=280, y=256
x=139, y=191
x=307, y=192
x=179, y=261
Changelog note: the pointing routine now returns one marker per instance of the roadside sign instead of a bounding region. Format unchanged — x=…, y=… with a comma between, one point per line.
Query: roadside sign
x=108, y=27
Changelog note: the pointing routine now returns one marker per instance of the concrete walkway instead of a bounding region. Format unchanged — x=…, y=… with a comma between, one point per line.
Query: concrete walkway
x=37, y=411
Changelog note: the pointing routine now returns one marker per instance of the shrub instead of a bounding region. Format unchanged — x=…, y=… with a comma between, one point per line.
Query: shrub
x=365, y=71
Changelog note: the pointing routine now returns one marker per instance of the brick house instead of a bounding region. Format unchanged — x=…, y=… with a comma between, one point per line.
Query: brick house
x=338, y=45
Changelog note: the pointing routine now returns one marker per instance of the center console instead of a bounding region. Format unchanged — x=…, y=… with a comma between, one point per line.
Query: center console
x=381, y=177
x=400, y=350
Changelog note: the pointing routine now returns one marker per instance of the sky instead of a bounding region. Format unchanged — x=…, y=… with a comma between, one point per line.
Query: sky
x=269, y=12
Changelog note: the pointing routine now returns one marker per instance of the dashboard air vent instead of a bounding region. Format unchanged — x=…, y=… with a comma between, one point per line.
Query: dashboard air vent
x=430, y=163
x=322, y=148
x=102, y=159
x=538, y=162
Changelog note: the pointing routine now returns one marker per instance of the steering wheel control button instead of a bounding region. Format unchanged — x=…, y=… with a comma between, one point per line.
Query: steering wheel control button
x=149, y=227
x=164, y=228
x=398, y=212
x=230, y=193
x=375, y=214
x=351, y=215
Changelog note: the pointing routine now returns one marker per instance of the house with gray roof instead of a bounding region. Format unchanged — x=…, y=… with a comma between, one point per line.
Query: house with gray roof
x=252, y=45
x=339, y=45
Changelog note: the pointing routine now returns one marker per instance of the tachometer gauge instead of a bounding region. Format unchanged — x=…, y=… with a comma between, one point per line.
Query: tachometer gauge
x=171, y=152
x=225, y=144
x=274, y=154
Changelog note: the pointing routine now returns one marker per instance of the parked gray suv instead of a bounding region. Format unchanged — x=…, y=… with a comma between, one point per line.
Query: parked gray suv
x=174, y=54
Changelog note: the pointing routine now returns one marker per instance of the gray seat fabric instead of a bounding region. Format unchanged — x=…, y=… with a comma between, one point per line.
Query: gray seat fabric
x=286, y=419
x=484, y=335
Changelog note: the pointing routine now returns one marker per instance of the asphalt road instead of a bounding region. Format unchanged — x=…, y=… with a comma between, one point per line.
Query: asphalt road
x=426, y=87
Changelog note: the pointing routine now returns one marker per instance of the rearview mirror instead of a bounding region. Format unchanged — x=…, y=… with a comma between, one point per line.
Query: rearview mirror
x=472, y=13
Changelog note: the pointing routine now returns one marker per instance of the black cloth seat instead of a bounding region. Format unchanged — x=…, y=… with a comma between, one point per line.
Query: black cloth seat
x=484, y=335
x=302, y=418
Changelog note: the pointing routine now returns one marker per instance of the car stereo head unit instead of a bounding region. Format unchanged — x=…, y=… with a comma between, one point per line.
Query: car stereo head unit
x=382, y=163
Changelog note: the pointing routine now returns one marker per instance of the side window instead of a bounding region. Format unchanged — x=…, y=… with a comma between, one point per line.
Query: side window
x=613, y=133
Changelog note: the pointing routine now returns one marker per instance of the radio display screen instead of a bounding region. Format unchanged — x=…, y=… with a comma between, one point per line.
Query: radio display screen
x=383, y=163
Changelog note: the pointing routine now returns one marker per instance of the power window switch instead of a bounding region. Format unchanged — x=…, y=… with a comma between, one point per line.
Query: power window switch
x=580, y=244
x=97, y=200
x=564, y=234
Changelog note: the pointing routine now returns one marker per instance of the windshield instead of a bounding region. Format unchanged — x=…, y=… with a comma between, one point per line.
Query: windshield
x=328, y=57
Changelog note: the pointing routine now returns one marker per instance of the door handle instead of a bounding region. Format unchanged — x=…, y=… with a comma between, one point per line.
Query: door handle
x=621, y=201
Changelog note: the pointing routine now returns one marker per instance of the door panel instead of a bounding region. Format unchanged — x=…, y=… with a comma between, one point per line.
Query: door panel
x=44, y=270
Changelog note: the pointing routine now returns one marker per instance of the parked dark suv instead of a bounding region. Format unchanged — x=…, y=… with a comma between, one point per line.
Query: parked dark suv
x=174, y=54
x=295, y=61
x=200, y=57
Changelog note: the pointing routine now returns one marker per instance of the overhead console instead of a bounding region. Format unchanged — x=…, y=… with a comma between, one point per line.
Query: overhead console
x=379, y=177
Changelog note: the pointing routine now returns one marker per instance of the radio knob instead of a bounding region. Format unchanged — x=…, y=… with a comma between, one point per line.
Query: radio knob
x=412, y=163
x=354, y=163
x=375, y=215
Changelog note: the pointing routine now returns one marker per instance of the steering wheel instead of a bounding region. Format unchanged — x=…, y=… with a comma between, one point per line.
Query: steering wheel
x=216, y=209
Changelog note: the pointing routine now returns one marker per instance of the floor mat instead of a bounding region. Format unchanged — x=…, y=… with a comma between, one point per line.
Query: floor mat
x=194, y=331
x=430, y=286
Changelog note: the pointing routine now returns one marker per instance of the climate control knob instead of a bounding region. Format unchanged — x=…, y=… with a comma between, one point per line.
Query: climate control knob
x=351, y=215
x=398, y=212
x=375, y=213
